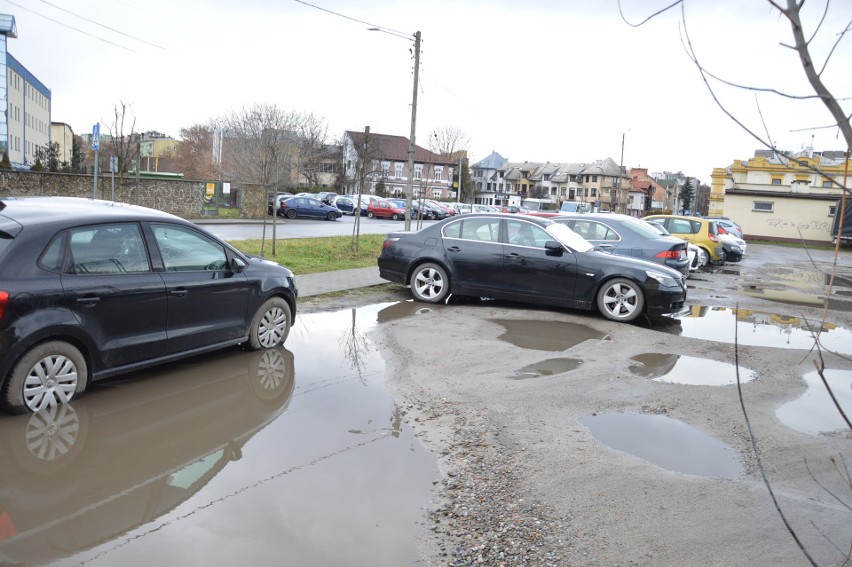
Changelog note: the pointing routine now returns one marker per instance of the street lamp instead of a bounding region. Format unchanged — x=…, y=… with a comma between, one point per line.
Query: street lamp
x=409, y=189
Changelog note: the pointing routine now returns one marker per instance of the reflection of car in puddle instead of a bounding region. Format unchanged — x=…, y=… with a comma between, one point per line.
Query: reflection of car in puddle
x=689, y=370
x=87, y=472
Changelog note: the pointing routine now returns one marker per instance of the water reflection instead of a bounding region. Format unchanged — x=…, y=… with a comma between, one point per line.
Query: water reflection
x=666, y=442
x=546, y=335
x=690, y=370
x=815, y=411
x=224, y=460
x=758, y=329
x=549, y=367
x=119, y=457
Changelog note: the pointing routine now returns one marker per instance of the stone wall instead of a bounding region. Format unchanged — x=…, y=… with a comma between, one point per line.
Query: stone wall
x=176, y=196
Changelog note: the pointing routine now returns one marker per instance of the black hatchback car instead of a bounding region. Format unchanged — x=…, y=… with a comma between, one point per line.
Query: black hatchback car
x=528, y=259
x=91, y=289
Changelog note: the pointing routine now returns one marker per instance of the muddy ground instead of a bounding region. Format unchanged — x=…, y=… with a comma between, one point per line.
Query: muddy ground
x=506, y=396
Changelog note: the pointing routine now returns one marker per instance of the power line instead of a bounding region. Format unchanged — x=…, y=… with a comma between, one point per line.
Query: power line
x=70, y=26
x=375, y=27
x=104, y=26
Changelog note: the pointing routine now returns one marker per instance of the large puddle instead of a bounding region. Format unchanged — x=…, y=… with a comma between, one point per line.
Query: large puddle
x=549, y=367
x=665, y=442
x=756, y=328
x=815, y=412
x=292, y=456
x=546, y=335
x=691, y=370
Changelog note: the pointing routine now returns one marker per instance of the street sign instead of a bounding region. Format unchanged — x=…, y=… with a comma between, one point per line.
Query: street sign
x=113, y=164
x=96, y=136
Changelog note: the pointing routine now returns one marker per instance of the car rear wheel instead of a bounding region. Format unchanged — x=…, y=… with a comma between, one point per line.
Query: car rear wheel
x=370, y=214
x=50, y=374
x=270, y=325
x=291, y=213
x=620, y=300
x=430, y=283
x=331, y=216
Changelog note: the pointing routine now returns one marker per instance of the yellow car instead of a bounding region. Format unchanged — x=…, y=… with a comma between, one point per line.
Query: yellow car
x=701, y=232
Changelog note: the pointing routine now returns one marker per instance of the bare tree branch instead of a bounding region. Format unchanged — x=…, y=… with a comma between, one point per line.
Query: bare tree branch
x=651, y=17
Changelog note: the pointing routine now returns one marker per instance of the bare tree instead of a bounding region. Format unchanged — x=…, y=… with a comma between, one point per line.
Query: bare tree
x=314, y=151
x=124, y=140
x=814, y=71
x=195, y=152
x=449, y=141
x=259, y=147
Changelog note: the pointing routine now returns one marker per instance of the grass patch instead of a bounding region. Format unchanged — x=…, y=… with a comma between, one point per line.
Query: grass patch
x=315, y=255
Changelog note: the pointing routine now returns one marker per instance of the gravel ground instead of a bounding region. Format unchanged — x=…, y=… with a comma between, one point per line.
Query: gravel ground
x=526, y=483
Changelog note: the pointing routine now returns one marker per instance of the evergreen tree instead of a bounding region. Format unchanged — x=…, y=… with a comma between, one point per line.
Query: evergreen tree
x=5, y=163
x=686, y=193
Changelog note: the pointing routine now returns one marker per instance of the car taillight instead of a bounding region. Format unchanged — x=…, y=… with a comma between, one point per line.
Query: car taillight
x=670, y=255
x=388, y=243
x=4, y=301
x=712, y=237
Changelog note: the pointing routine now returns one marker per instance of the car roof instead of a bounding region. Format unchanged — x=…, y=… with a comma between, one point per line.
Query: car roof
x=70, y=211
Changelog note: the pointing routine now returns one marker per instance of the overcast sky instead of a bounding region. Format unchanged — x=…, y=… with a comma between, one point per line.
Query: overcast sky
x=535, y=80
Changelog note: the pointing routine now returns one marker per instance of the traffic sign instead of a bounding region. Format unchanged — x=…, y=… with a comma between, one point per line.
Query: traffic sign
x=113, y=164
x=96, y=136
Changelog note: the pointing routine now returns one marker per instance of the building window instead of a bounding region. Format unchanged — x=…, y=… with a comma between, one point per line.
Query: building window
x=397, y=170
x=763, y=206
x=418, y=171
x=594, y=178
x=831, y=210
x=776, y=181
x=439, y=173
x=827, y=183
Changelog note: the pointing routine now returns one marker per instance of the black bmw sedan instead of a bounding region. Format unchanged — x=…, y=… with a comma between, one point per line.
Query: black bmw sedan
x=527, y=259
x=90, y=289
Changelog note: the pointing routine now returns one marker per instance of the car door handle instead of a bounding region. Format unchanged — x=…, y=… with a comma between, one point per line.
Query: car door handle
x=179, y=292
x=88, y=300
x=453, y=249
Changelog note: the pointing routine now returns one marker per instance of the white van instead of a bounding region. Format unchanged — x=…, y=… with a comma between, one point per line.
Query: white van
x=537, y=205
x=575, y=207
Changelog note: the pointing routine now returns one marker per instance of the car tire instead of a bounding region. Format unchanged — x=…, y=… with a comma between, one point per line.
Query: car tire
x=620, y=300
x=331, y=216
x=705, y=257
x=370, y=215
x=292, y=213
x=429, y=283
x=59, y=363
x=270, y=325
x=723, y=257
x=394, y=216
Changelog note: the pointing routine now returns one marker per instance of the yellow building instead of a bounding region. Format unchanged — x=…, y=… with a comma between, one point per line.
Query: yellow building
x=777, y=198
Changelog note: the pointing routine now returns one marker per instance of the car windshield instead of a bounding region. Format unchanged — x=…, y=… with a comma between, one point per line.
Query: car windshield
x=568, y=237
x=642, y=228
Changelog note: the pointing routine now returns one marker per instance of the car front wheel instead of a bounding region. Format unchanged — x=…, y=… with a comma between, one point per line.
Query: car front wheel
x=48, y=375
x=370, y=214
x=430, y=283
x=620, y=300
x=270, y=325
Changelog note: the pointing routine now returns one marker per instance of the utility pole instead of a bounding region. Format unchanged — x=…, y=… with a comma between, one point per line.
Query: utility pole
x=410, y=187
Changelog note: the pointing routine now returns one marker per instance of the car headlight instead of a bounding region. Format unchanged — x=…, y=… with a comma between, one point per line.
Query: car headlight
x=736, y=249
x=662, y=278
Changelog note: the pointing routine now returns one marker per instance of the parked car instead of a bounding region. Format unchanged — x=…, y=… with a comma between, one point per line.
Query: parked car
x=326, y=197
x=308, y=207
x=382, y=208
x=436, y=212
x=701, y=232
x=735, y=248
x=274, y=203
x=415, y=208
x=446, y=206
x=697, y=256
x=345, y=204
x=729, y=225
x=91, y=289
x=628, y=236
x=528, y=259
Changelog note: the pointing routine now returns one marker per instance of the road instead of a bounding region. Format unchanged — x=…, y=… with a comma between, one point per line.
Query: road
x=301, y=228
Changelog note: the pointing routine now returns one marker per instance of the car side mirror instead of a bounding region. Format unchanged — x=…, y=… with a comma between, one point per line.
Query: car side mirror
x=238, y=265
x=553, y=248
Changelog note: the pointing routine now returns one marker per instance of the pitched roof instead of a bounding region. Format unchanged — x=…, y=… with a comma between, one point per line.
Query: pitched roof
x=395, y=148
x=493, y=161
